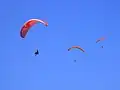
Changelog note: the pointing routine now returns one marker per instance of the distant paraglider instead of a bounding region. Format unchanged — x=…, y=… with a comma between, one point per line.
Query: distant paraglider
x=27, y=25
x=77, y=47
x=100, y=39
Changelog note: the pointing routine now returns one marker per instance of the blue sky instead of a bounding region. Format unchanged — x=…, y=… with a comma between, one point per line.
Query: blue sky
x=71, y=22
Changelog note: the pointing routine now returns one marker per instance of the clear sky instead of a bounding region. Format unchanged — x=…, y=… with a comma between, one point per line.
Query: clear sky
x=71, y=22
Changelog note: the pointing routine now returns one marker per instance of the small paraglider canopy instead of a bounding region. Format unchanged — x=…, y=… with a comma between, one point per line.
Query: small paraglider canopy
x=100, y=39
x=77, y=47
x=27, y=25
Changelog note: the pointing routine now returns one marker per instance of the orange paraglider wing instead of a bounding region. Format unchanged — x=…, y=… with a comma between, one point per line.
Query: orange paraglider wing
x=27, y=25
x=78, y=47
x=100, y=39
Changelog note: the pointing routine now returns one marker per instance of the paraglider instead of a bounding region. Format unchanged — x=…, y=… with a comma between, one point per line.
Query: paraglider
x=100, y=39
x=78, y=47
x=27, y=25
x=37, y=52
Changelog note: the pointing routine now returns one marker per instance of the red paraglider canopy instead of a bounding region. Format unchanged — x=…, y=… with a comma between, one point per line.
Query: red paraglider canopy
x=78, y=47
x=100, y=39
x=27, y=25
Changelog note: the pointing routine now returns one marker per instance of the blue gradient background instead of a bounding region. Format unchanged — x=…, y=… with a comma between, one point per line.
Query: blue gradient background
x=71, y=22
